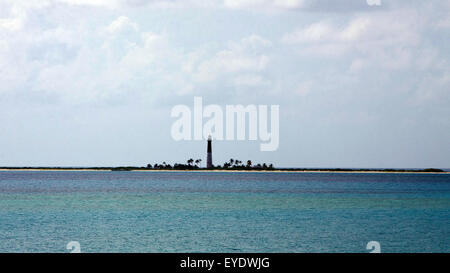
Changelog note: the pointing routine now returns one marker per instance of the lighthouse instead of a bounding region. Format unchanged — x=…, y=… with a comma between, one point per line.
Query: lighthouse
x=209, y=154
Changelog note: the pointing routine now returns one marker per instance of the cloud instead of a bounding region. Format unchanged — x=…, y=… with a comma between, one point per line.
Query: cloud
x=79, y=63
x=112, y=4
x=12, y=24
x=373, y=2
x=392, y=51
x=112, y=71
x=381, y=38
x=118, y=61
x=121, y=24
x=263, y=4
x=243, y=56
x=250, y=80
x=15, y=18
x=120, y=55
x=382, y=30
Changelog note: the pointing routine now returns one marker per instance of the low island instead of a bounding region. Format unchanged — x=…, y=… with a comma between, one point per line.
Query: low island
x=233, y=165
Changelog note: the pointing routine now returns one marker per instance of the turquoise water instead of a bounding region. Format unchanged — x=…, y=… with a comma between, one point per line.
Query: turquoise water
x=223, y=212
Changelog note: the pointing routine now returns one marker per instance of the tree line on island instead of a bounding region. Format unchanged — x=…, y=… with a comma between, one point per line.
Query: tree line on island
x=235, y=164
x=194, y=164
x=191, y=164
x=230, y=165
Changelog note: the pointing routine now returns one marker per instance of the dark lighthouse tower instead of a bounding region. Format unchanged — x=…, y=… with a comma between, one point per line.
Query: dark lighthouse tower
x=209, y=154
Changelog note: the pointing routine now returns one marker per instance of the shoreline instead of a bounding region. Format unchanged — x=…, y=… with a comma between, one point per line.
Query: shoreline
x=218, y=171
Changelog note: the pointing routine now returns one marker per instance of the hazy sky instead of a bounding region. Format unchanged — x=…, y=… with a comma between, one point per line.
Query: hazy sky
x=92, y=82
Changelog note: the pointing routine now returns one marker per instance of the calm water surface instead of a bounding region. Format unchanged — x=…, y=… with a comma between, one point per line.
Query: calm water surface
x=223, y=212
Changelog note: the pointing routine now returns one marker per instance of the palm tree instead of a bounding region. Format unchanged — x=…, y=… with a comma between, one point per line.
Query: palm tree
x=249, y=163
x=190, y=162
x=197, y=162
x=231, y=162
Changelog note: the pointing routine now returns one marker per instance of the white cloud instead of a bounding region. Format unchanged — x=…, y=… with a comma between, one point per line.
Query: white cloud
x=378, y=38
x=251, y=80
x=313, y=33
x=101, y=69
x=244, y=56
x=263, y=4
x=121, y=24
x=108, y=59
x=374, y=2
x=100, y=3
x=254, y=42
x=83, y=63
x=15, y=20
x=391, y=51
x=288, y=3
x=11, y=24
x=376, y=29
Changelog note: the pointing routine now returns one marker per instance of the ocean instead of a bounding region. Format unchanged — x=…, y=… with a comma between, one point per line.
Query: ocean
x=42, y=211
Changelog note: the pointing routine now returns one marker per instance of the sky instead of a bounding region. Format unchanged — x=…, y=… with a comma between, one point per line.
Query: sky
x=359, y=83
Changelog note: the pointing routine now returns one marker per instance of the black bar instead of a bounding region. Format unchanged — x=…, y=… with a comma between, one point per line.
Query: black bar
x=226, y=262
